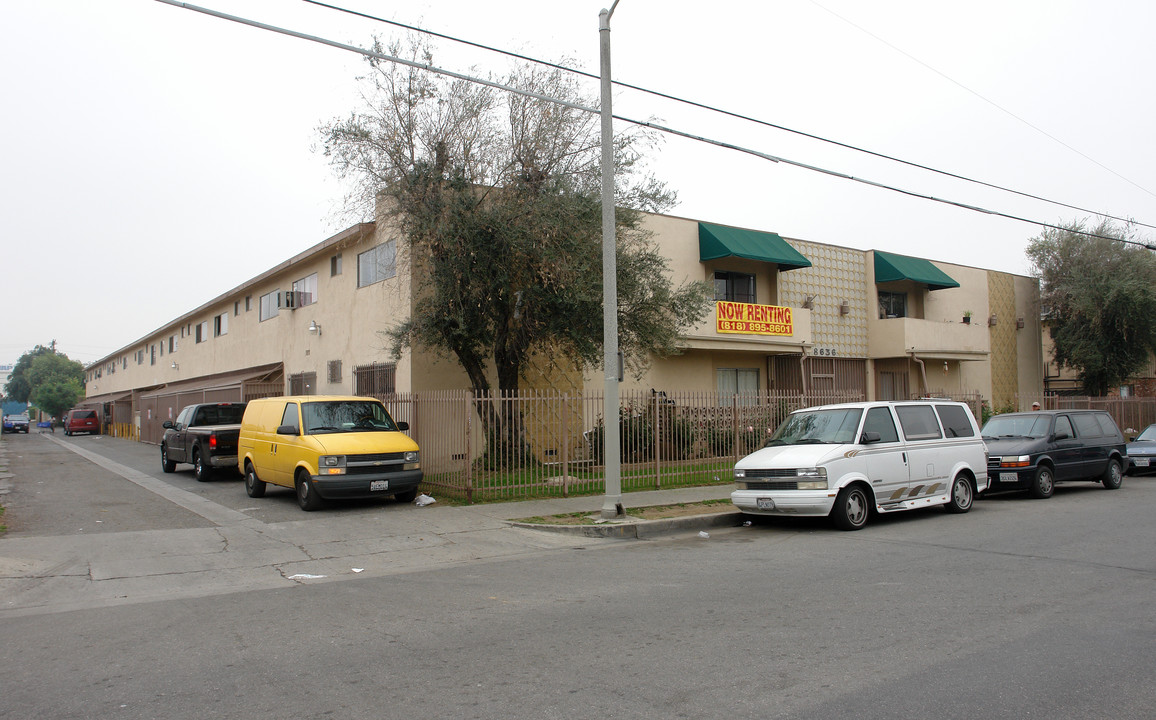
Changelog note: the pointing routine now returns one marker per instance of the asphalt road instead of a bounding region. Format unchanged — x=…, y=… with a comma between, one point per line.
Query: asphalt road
x=1019, y=609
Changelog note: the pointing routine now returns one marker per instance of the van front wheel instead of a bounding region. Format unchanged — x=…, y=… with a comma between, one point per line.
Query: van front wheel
x=851, y=508
x=307, y=496
x=961, y=497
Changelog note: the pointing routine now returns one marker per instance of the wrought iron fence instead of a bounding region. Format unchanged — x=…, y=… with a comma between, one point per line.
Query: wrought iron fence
x=536, y=444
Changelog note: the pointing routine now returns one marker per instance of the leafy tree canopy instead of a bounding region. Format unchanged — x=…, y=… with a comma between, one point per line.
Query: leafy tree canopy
x=498, y=199
x=18, y=387
x=1099, y=301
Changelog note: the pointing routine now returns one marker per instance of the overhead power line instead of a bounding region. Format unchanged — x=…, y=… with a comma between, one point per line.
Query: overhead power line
x=641, y=123
x=765, y=123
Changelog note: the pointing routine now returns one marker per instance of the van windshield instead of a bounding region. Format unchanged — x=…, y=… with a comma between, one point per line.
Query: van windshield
x=335, y=416
x=1016, y=426
x=818, y=427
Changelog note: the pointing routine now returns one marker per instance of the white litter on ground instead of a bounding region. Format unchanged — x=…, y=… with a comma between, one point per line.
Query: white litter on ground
x=423, y=500
x=305, y=576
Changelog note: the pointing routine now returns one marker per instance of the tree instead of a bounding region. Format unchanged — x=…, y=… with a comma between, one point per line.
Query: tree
x=1099, y=300
x=498, y=200
x=18, y=388
x=47, y=379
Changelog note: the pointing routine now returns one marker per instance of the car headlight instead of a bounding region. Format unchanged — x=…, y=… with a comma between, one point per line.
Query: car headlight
x=412, y=460
x=331, y=465
x=1015, y=461
x=740, y=473
x=811, y=478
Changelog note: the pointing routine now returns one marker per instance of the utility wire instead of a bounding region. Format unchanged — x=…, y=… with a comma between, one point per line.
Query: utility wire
x=994, y=104
x=660, y=128
x=766, y=123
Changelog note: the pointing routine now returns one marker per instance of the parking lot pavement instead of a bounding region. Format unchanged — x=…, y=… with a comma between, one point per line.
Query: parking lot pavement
x=90, y=530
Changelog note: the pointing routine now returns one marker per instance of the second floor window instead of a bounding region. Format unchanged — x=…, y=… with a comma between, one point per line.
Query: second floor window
x=269, y=305
x=734, y=287
x=892, y=305
x=377, y=264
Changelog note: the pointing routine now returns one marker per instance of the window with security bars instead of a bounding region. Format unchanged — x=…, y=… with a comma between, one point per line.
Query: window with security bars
x=303, y=384
x=334, y=371
x=375, y=379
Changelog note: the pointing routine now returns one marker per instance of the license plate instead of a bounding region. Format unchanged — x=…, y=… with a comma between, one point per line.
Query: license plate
x=765, y=504
x=1009, y=477
x=378, y=485
x=1141, y=462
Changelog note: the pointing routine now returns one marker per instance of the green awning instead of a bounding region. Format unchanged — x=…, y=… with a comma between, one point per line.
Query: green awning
x=890, y=267
x=719, y=241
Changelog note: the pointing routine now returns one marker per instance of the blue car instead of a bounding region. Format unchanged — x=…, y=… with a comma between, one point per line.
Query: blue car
x=1142, y=452
x=16, y=423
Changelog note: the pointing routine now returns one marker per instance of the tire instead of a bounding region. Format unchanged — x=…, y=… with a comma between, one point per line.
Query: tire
x=962, y=495
x=307, y=496
x=406, y=497
x=166, y=464
x=852, y=508
x=253, y=487
x=1113, y=476
x=1044, y=483
x=201, y=471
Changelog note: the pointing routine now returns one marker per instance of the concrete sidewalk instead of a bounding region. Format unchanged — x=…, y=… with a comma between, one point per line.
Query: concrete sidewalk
x=232, y=551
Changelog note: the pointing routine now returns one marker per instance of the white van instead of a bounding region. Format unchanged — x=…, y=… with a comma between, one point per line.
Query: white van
x=845, y=461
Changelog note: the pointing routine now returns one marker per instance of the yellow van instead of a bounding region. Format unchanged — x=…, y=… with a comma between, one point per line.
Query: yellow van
x=326, y=447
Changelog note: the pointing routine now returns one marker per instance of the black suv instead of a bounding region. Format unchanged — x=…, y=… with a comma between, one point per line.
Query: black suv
x=1035, y=450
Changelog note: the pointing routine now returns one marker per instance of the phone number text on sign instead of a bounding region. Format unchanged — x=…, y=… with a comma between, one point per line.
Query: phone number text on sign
x=748, y=319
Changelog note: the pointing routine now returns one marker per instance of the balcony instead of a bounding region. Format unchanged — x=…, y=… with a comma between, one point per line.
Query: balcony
x=896, y=337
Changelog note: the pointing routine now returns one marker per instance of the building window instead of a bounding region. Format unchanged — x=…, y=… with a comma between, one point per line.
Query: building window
x=202, y=333
x=236, y=308
x=221, y=325
x=738, y=381
x=375, y=379
x=305, y=291
x=734, y=287
x=303, y=384
x=248, y=303
x=335, y=265
x=152, y=354
x=173, y=345
x=892, y=305
x=270, y=302
x=377, y=264
x=334, y=371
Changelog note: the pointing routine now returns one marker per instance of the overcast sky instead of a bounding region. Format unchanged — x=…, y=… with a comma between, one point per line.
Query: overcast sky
x=156, y=157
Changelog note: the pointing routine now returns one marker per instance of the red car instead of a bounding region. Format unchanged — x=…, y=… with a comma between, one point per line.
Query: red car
x=81, y=421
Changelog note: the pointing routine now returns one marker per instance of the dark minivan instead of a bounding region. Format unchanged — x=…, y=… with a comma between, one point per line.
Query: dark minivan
x=1035, y=450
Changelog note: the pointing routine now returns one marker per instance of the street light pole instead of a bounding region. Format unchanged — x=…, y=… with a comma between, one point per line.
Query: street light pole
x=612, y=503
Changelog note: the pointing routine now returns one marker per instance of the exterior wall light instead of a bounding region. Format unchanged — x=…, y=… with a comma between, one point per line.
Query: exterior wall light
x=175, y=366
x=845, y=308
x=991, y=320
x=809, y=302
x=314, y=327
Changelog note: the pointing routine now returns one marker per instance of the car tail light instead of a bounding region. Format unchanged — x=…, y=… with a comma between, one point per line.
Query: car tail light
x=213, y=441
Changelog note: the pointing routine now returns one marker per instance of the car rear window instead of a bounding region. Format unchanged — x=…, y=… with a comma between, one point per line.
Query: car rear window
x=918, y=422
x=955, y=421
x=1107, y=425
x=85, y=414
x=1086, y=426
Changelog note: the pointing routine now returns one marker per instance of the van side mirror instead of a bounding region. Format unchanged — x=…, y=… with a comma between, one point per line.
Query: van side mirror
x=869, y=437
x=167, y=424
x=287, y=430
x=1060, y=436
x=403, y=426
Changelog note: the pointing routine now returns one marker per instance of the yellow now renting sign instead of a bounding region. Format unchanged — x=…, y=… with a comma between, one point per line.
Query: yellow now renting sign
x=747, y=319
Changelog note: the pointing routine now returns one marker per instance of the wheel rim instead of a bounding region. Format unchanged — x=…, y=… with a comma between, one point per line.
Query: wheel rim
x=1046, y=483
x=962, y=493
x=1117, y=474
x=303, y=490
x=198, y=467
x=250, y=480
x=856, y=507
x=164, y=455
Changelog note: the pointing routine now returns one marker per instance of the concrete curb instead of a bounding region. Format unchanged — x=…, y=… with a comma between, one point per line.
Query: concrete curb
x=641, y=528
